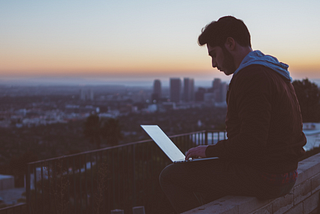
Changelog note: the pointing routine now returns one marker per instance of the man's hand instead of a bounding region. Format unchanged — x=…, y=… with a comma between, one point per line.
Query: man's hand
x=196, y=152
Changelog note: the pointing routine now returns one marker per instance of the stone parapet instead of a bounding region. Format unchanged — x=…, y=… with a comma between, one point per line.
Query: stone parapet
x=303, y=198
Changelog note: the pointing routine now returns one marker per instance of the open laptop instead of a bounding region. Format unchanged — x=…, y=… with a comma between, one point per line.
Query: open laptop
x=167, y=146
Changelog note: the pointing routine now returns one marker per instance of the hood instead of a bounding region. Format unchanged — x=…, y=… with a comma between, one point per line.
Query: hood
x=258, y=58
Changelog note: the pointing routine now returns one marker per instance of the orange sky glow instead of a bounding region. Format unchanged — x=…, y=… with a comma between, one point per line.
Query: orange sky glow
x=145, y=39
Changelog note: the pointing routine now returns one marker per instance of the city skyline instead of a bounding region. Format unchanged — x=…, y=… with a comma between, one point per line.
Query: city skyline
x=42, y=81
x=125, y=40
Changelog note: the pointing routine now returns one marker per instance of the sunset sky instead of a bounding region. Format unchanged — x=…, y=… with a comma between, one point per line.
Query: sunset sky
x=147, y=39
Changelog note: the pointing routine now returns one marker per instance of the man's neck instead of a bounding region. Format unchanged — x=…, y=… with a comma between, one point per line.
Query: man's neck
x=242, y=52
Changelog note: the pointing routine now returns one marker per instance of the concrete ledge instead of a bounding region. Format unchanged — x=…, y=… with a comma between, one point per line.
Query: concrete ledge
x=303, y=198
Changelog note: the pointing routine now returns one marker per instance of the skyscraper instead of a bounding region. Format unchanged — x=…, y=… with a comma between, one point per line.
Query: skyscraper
x=224, y=90
x=175, y=89
x=156, y=95
x=219, y=89
x=199, y=95
x=216, y=86
x=188, y=90
x=86, y=94
x=216, y=83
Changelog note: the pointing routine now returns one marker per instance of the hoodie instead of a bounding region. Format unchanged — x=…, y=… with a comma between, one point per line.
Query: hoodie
x=263, y=121
x=258, y=58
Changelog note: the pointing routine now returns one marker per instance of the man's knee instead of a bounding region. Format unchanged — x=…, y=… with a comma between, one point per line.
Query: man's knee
x=172, y=173
x=166, y=174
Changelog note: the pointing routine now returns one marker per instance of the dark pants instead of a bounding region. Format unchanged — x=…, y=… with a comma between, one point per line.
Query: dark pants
x=189, y=185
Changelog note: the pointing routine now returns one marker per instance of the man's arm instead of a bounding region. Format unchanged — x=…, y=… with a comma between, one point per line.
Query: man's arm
x=252, y=103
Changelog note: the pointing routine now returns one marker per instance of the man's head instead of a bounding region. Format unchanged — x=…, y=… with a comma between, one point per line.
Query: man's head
x=225, y=40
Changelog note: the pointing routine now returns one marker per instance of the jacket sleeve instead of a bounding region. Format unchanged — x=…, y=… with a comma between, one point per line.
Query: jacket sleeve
x=251, y=101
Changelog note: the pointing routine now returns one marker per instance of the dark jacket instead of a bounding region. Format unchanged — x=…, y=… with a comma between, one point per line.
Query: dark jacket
x=263, y=122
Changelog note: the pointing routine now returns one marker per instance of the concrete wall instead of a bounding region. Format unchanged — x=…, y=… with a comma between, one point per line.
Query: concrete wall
x=303, y=198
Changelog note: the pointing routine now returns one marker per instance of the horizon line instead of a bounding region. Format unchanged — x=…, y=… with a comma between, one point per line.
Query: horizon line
x=81, y=81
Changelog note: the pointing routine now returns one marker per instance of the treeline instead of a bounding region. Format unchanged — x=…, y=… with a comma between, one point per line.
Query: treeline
x=308, y=94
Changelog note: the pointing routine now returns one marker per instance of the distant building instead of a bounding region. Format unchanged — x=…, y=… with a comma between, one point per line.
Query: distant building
x=224, y=90
x=216, y=86
x=165, y=106
x=312, y=132
x=188, y=90
x=156, y=95
x=175, y=90
x=209, y=98
x=216, y=83
x=140, y=97
x=152, y=108
x=199, y=95
x=219, y=90
x=86, y=94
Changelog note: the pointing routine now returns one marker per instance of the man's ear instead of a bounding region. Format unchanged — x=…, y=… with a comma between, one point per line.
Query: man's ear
x=230, y=44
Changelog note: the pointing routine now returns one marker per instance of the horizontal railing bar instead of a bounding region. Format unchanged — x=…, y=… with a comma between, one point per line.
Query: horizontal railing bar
x=113, y=147
x=13, y=207
x=91, y=151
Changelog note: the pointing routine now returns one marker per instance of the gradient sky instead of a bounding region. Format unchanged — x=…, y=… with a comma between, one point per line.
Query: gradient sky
x=135, y=39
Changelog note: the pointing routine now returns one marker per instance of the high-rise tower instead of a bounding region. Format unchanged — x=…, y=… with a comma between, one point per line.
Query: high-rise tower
x=156, y=95
x=216, y=86
x=188, y=90
x=86, y=94
x=175, y=89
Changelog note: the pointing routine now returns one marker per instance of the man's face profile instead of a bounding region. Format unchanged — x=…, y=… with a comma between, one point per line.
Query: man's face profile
x=221, y=59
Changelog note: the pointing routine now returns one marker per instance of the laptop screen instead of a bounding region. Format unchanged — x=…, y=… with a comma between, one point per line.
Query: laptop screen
x=164, y=142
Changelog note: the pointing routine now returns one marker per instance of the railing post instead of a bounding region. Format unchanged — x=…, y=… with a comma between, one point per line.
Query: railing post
x=116, y=211
x=134, y=172
x=28, y=189
x=206, y=138
x=138, y=210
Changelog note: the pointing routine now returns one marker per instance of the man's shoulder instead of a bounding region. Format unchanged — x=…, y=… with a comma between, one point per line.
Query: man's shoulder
x=253, y=70
x=252, y=73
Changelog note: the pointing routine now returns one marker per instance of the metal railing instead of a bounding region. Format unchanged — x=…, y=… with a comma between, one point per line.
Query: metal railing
x=98, y=181
x=15, y=209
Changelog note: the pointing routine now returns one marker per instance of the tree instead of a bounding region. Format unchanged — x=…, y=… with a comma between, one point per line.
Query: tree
x=92, y=129
x=96, y=129
x=308, y=95
x=111, y=131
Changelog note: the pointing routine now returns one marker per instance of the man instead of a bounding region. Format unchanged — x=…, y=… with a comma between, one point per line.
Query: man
x=263, y=123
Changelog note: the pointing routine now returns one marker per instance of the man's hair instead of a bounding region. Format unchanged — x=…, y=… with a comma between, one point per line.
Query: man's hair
x=217, y=32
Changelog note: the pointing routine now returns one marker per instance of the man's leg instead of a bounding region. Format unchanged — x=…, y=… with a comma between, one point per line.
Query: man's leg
x=183, y=183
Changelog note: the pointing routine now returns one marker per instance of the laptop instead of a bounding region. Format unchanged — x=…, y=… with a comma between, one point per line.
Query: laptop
x=167, y=146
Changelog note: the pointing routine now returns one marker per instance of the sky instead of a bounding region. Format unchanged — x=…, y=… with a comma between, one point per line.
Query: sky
x=126, y=40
